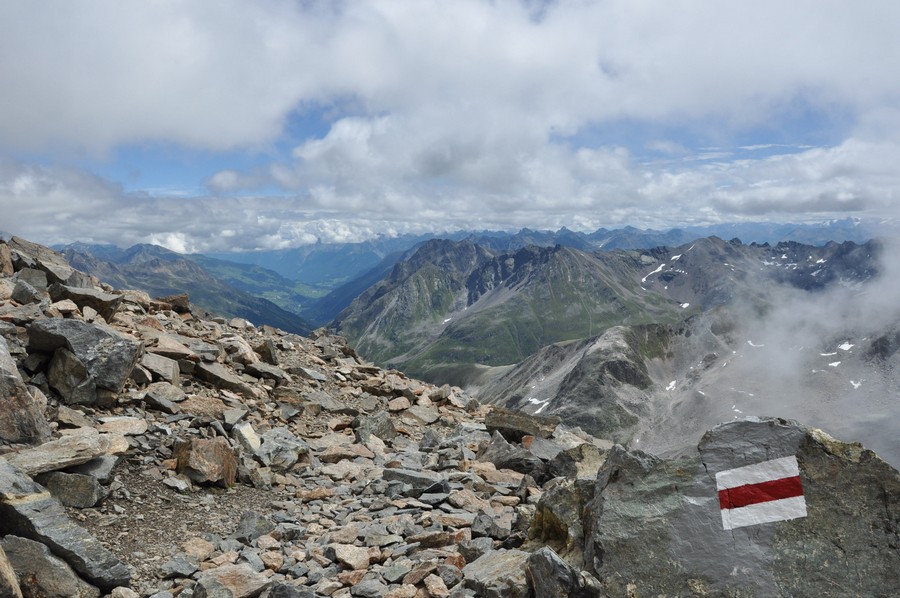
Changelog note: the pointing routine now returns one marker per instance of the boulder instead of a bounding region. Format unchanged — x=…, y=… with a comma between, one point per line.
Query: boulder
x=73, y=489
x=498, y=574
x=511, y=456
x=162, y=368
x=105, y=304
x=27, y=254
x=74, y=448
x=552, y=577
x=206, y=461
x=514, y=425
x=281, y=450
x=35, y=278
x=759, y=511
x=29, y=511
x=43, y=574
x=106, y=356
x=21, y=414
x=24, y=293
x=164, y=397
x=221, y=377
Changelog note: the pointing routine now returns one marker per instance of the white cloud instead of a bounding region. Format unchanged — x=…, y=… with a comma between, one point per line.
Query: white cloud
x=442, y=114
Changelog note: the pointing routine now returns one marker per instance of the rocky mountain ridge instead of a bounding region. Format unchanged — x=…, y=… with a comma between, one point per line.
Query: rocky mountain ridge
x=148, y=451
x=443, y=318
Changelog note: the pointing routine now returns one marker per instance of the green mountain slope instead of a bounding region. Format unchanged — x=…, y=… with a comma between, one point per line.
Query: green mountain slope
x=160, y=272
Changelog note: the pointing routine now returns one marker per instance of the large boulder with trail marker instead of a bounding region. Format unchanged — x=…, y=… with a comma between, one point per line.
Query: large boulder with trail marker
x=767, y=508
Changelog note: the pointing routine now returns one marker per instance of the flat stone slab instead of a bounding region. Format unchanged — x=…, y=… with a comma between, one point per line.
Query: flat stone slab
x=28, y=510
x=221, y=377
x=71, y=449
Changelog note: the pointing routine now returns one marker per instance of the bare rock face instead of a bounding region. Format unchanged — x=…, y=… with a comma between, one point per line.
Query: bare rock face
x=765, y=504
x=207, y=461
x=21, y=415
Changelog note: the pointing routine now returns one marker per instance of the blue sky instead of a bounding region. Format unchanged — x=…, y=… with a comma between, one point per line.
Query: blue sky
x=228, y=125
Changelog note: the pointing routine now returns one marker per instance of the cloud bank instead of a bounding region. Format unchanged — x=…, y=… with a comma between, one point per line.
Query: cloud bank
x=340, y=119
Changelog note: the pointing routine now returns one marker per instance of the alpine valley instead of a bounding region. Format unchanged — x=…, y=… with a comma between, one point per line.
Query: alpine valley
x=644, y=337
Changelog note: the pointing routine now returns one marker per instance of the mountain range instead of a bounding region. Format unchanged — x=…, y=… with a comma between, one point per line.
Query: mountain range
x=643, y=343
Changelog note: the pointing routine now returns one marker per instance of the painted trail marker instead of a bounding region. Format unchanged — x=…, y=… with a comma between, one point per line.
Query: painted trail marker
x=761, y=493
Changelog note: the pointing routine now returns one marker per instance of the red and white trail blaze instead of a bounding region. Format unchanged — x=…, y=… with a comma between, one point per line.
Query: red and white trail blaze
x=761, y=493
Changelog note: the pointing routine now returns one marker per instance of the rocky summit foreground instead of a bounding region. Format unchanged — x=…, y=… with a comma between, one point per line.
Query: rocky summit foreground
x=148, y=450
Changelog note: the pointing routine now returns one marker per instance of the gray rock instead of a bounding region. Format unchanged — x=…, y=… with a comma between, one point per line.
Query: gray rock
x=221, y=377
x=24, y=293
x=379, y=424
x=52, y=263
x=552, y=577
x=37, y=279
x=558, y=520
x=661, y=525
x=105, y=304
x=231, y=581
x=264, y=370
x=73, y=489
x=107, y=355
x=180, y=565
x=21, y=415
x=509, y=456
x=162, y=368
x=9, y=585
x=498, y=574
x=369, y=588
x=29, y=511
x=309, y=374
x=79, y=447
x=514, y=425
x=164, y=397
x=43, y=574
x=100, y=468
x=284, y=590
x=281, y=450
x=251, y=526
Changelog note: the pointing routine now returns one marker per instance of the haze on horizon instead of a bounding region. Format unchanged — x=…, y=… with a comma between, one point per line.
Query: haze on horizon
x=227, y=125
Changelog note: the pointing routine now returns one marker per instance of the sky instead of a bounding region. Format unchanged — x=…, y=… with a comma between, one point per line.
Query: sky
x=227, y=125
